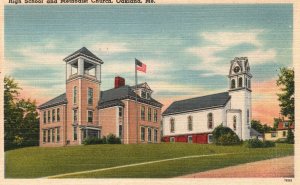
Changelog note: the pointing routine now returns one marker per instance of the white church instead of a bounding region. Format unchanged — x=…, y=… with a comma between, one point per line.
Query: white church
x=193, y=120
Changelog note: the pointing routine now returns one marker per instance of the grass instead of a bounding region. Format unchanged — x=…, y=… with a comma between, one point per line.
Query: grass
x=34, y=162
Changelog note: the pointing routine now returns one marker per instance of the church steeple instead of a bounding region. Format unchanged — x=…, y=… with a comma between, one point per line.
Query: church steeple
x=239, y=74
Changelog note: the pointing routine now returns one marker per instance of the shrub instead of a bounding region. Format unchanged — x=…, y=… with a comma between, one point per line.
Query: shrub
x=225, y=136
x=267, y=144
x=229, y=139
x=256, y=143
x=112, y=139
x=92, y=141
x=281, y=140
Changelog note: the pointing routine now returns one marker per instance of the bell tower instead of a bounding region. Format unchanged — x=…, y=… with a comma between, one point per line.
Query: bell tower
x=83, y=80
x=240, y=92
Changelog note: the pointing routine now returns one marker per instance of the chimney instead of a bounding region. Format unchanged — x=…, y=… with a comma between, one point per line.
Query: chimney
x=119, y=82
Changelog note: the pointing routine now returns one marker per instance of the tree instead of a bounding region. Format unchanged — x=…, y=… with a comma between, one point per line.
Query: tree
x=259, y=127
x=21, y=123
x=286, y=83
x=290, y=136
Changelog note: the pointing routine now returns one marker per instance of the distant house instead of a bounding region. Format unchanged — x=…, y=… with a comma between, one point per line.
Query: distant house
x=193, y=120
x=281, y=132
x=254, y=134
x=85, y=111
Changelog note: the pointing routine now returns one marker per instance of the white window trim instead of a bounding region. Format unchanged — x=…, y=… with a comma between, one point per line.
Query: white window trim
x=208, y=138
x=149, y=128
x=73, y=97
x=88, y=96
x=87, y=120
x=141, y=134
x=189, y=139
x=155, y=130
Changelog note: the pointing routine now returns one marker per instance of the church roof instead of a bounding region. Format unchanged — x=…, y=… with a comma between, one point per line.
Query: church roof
x=198, y=103
x=83, y=52
x=114, y=96
x=254, y=132
x=61, y=99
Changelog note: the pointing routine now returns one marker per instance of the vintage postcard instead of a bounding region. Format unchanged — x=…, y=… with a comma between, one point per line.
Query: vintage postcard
x=149, y=91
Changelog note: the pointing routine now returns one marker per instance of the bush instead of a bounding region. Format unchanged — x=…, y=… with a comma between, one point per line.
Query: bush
x=112, y=139
x=256, y=143
x=225, y=136
x=92, y=141
x=267, y=144
x=281, y=140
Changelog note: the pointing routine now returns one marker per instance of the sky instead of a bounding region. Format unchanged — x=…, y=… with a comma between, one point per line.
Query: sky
x=187, y=48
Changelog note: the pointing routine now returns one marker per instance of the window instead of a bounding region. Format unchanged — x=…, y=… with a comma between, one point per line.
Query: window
x=57, y=135
x=90, y=116
x=53, y=135
x=284, y=133
x=44, y=136
x=210, y=138
x=286, y=124
x=155, y=116
x=234, y=122
x=210, y=120
x=246, y=80
x=58, y=115
x=155, y=135
x=120, y=131
x=48, y=135
x=190, y=139
x=148, y=95
x=172, y=140
x=53, y=115
x=249, y=84
x=49, y=118
x=232, y=83
x=240, y=82
x=190, y=123
x=273, y=134
x=74, y=133
x=144, y=94
x=75, y=95
x=75, y=115
x=142, y=134
x=45, y=117
x=120, y=112
x=90, y=96
x=248, y=116
x=149, y=114
x=149, y=135
x=172, y=125
x=143, y=113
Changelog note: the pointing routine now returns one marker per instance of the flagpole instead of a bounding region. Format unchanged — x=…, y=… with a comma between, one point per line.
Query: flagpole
x=136, y=108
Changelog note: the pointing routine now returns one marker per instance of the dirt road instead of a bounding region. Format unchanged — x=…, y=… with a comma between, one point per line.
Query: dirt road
x=279, y=167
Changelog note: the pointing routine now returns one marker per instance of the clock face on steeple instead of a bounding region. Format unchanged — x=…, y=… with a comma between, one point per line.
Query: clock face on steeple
x=236, y=69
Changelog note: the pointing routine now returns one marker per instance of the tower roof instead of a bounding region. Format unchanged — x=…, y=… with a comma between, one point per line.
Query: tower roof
x=83, y=52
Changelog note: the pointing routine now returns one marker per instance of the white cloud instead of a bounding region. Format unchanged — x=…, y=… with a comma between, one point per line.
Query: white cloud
x=226, y=39
x=221, y=41
x=110, y=47
x=260, y=56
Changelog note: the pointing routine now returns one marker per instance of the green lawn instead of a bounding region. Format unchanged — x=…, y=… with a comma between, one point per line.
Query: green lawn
x=36, y=162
